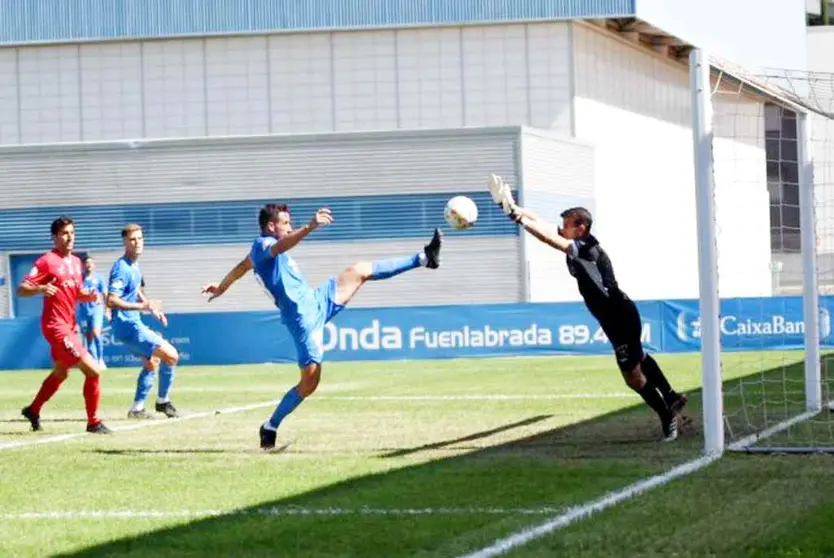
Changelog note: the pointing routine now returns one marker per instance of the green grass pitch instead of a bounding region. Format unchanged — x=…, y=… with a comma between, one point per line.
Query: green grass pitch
x=393, y=459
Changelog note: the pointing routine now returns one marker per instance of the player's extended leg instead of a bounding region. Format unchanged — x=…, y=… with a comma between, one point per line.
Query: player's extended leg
x=310, y=377
x=169, y=357
x=629, y=357
x=48, y=388
x=92, y=393
x=351, y=279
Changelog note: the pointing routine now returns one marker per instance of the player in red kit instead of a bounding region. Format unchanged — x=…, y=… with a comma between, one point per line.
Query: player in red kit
x=57, y=275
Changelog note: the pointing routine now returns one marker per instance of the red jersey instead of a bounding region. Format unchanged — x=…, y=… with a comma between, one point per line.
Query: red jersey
x=65, y=273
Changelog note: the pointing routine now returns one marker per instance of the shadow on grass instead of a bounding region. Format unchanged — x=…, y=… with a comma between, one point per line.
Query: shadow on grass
x=173, y=451
x=471, y=437
x=449, y=505
x=47, y=421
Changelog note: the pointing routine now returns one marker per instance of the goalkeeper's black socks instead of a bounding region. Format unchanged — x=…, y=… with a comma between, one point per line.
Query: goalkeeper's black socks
x=651, y=395
x=654, y=375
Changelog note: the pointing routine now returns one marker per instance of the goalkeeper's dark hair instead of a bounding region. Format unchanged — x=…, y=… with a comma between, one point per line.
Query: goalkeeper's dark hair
x=579, y=216
x=270, y=212
x=59, y=224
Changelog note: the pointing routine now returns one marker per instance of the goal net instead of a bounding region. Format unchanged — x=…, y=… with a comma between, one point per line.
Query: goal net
x=764, y=149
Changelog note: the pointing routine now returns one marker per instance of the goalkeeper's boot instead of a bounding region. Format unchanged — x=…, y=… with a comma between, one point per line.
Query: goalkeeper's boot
x=432, y=250
x=34, y=420
x=167, y=408
x=267, y=438
x=670, y=428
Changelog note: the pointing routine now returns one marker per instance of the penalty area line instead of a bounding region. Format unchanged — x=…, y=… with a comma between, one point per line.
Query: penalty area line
x=585, y=511
x=137, y=426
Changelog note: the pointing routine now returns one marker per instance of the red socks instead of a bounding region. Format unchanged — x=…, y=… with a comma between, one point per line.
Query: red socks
x=48, y=388
x=92, y=394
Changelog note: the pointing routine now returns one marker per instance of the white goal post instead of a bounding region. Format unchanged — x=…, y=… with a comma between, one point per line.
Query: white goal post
x=744, y=412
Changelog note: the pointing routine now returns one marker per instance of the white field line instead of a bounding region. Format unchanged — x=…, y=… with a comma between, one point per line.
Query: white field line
x=274, y=511
x=584, y=511
x=506, y=544
x=137, y=426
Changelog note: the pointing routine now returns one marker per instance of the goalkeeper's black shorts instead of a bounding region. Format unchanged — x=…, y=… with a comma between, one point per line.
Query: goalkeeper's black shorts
x=624, y=330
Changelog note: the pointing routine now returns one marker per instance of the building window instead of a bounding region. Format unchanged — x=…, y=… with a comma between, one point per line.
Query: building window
x=782, y=178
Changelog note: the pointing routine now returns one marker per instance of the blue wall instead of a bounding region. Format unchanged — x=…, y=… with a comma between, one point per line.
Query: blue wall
x=235, y=222
x=446, y=332
x=55, y=20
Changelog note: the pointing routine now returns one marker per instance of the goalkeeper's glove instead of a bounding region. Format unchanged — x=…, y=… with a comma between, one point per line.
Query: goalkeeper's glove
x=502, y=195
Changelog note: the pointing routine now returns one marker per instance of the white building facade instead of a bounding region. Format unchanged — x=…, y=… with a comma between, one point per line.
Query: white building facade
x=383, y=114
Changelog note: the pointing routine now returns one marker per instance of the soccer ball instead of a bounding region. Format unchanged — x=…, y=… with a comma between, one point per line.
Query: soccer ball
x=461, y=212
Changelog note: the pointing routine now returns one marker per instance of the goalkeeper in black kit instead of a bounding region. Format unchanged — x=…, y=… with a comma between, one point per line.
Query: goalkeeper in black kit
x=614, y=310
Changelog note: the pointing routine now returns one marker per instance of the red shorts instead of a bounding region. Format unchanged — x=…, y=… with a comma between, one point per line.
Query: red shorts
x=65, y=344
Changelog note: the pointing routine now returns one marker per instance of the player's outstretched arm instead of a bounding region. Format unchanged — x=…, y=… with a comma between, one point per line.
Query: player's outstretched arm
x=217, y=289
x=540, y=229
x=503, y=196
x=321, y=218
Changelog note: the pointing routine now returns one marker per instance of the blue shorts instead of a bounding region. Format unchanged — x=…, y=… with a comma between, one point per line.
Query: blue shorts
x=91, y=318
x=309, y=337
x=139, y=338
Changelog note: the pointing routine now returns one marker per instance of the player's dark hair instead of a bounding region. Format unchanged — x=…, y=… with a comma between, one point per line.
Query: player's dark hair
x=270, y=212
x=59, y=224
x=579, y=216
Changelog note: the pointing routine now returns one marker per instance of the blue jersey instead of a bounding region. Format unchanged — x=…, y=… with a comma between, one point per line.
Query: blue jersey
x=94, y=283
x=281, y=277
x=125, y=282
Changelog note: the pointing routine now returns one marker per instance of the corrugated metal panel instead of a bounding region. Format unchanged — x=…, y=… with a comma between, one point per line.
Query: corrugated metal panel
x=64, y=20
x=201, y=223
x=474, y=270
x=326, y=165
x=557, y=173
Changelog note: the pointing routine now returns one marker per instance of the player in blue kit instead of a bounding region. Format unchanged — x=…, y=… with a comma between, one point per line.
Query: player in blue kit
x=304, y=310
x=126, y=297
x=91, y=314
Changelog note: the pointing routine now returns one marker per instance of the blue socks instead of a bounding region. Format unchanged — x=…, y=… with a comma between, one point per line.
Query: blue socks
x=166, y=379
x=95, y=347
x=92, y=347
x=144, y=384
x=385, y=269
x=98, y=343
x=291, y=400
